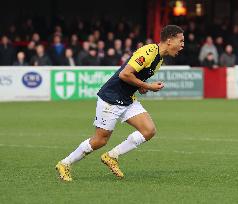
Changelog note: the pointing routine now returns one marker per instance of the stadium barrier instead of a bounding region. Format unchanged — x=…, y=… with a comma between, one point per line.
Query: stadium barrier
x=179, y=83
x=24, y=84
x=215, y=83
x=66, y=83
x=232, y=82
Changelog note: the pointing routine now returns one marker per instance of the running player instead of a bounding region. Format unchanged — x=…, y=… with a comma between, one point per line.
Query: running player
x=116, y=101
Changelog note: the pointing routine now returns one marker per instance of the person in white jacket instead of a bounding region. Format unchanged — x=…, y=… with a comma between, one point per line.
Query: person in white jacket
x=208, y=47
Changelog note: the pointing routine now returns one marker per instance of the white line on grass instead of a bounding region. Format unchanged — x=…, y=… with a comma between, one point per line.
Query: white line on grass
x=145, y=150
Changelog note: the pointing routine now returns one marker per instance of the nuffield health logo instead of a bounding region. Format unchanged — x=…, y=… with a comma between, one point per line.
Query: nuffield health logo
x=77, y=84
x=65, y=84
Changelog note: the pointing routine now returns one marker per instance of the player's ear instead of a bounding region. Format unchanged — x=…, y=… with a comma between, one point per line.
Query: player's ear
x=168, y=41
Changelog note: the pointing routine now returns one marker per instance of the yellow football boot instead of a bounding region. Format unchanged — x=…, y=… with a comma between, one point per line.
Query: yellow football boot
x=64, y=171
x=112, y=164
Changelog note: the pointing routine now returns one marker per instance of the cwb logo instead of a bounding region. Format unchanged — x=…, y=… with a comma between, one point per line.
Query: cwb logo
x=65, y=84
x=32, y=79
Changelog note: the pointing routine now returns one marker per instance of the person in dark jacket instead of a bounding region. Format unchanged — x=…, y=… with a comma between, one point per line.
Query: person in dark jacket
x=83, y=53
x=7, y=52
x=191, y=50
x=69, y=58
x=228, y=58
x=209, y=61
x=92, y=59
x=40, y=59
x=110, y=59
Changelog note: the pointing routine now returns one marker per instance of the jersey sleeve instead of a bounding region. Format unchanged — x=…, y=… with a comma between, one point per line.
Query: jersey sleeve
x=143, y=57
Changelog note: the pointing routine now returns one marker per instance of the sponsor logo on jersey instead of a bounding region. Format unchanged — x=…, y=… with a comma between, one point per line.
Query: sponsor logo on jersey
x=140, y=60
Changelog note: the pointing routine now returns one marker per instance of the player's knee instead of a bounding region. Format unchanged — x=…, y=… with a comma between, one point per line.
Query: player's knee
x=104, y=141
x=102, y=137
x=101, y=141
x=149, y=132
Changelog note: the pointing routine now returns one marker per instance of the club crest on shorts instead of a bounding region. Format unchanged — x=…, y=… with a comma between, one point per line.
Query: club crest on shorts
x=140, y=60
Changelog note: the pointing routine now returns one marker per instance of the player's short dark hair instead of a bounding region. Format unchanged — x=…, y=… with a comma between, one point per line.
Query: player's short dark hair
x=170, y=31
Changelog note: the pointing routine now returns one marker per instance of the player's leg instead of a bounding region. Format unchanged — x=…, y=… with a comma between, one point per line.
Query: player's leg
x=99, y=139
x=137, y=117
x=144, y=124
x=105, y=121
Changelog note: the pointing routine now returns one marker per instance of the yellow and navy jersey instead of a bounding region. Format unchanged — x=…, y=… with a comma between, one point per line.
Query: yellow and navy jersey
x=146, y=60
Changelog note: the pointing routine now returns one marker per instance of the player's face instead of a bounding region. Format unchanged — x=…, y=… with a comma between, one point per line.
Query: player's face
x=175, y=44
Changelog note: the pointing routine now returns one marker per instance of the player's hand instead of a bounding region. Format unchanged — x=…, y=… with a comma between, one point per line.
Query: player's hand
x=143, y=90
x=156, y=86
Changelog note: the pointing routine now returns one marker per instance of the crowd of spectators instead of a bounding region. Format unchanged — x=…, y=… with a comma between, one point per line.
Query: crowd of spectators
x=209, y=47
x=103, y=44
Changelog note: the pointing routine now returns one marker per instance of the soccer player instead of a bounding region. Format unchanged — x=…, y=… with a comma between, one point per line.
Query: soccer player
x=116, y=101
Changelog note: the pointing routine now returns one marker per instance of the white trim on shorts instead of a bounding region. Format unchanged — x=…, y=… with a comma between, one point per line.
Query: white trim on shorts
x=107, y=115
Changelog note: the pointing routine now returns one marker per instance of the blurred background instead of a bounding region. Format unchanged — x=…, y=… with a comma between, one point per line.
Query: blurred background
x=107, y=32
x=72, y=34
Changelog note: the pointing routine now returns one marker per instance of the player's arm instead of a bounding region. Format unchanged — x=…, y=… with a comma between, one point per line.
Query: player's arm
x=140, y=59
x=128, y=75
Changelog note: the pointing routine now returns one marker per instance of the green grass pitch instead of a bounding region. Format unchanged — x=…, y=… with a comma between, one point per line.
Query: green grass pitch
x=192, y=159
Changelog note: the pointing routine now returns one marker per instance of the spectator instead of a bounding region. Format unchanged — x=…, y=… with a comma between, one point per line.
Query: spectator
x=139, y=45
x=121, y=31
x=101, y=49
x=30, y=50
x=92, y=59
x=36, y=38
x=208, y=47
x=110, y=40
x=83, y=53
x=148, y=41
x=128, y=45
x=69, y=60
x=7, y=52
x=228, y=59
x=209, y=61
x=110, y=59
x=193, y=28
x=233, y=41
x=219, y=43
x=125, y=57
x=191, y=50
x=12, y=33
x=57, y=51
x=136, y=36
x=58, y=31
x=92, y=41
x=74, y=45
x=97, y=35
x=40, y=59
x=20, y=60
x=27, y=29
x=81, y=31
x=118, y=48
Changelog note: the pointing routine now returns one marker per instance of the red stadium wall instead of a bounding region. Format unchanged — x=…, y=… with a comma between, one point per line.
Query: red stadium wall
x=215, y=83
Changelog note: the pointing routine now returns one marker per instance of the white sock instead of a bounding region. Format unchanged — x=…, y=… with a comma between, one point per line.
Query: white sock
x=83, y=149
x=133, y=140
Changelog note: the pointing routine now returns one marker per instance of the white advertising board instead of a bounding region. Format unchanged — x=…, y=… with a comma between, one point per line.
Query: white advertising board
x=232, y=82
x=24, y=84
